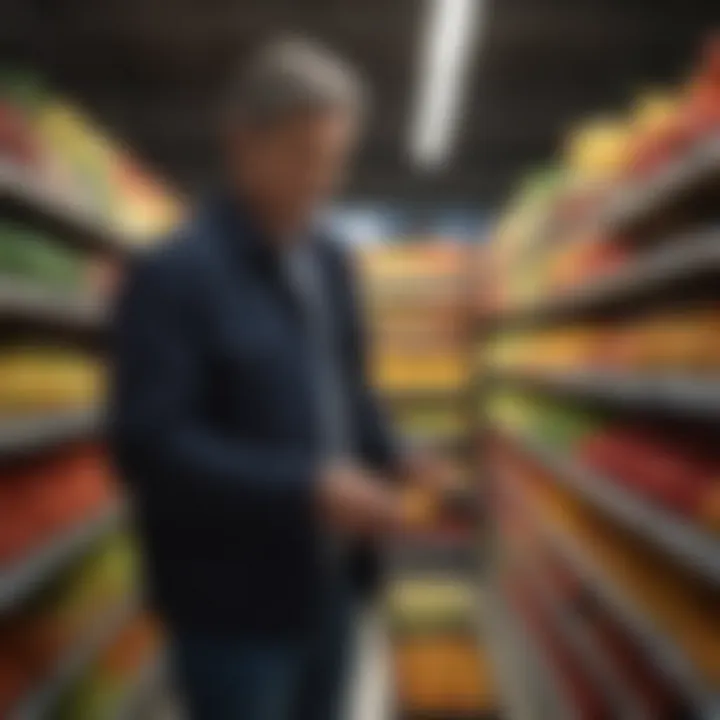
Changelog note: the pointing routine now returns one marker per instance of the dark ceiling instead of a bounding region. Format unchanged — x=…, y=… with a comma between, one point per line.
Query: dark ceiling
x=149, y=69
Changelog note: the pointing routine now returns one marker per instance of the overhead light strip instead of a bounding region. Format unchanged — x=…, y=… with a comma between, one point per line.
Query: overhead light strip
x=443, y=66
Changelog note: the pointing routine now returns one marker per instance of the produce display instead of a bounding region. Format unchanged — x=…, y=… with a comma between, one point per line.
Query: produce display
x=600, y=338
x=29, y=254
x=619, y=668
x=43, y=497
x=417, y=318
x=671, y=127
x=678, y=342
x=650, y=694
x=442, y=676
x=112, y=676
x=417, y=314
x=680, y=605
x=550, y=240
x=573, y=686
x=417, y=304
x=74, y=206
x=429, y=418
x=49, y=142
x=418, y=604
x=405, y=372
x=35, y=640
x=678, y=471
x=46, y=378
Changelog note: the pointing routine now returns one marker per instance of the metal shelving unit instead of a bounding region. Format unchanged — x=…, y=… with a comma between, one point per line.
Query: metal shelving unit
x=30, y=434
x=24, y=576
x=516, y=678
x=633, y=207
x=670, y=220
x=686, y=396
x=78, y=317
x=682, y=259
x=23, y=198
x=596, y=664
x=660, y=648
x=674, y=261
x=33, y=304
x=529, y=685
x=680, y=538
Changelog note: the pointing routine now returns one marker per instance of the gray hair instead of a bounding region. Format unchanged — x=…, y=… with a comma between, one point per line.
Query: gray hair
x=289, y=77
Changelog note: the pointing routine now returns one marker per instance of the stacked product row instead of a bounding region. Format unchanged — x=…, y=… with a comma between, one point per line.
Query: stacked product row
x=440, y=671
x=624, y=186
x=418, y=310
x=55, y=152
x=74, y=642
x=41, y=499
x=79, y=611
x=600, y=354
x=418, y=316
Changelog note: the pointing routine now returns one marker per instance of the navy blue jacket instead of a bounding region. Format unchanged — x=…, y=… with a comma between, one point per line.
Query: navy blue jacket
x=213, y=427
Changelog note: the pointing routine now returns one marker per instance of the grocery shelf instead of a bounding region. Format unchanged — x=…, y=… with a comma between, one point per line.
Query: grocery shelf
x=23, y=198
x=449, y=441
x=693, y=255
x=681, y=258
x=149, y=680
x=697, y=397
x=636, y=206
x=29, y=434
x=669, y=659
x=21, y=578
x=28, y=302
x=422, y=290
x=641, y=253
x=421, y=394
x=575, y=634
x=41, y=701
x=419, y=555
x=527, y=682
x=497, y=632
x=695, y=549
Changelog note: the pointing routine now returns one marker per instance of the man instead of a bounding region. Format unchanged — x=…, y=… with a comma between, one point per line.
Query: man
x=242, y=419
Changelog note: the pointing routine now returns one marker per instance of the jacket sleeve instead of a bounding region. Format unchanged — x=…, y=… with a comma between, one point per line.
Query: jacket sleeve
x=379, y=446
x=158, y=436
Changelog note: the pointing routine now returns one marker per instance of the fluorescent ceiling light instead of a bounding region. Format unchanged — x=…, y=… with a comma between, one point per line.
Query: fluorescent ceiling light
x=445, y=52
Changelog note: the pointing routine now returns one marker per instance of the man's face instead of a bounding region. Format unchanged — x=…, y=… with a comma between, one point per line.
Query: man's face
x=292, y=167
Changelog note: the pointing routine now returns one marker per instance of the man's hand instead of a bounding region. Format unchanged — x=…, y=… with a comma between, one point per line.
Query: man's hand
x=353, y=500
x=437, y=489
x=430, y=471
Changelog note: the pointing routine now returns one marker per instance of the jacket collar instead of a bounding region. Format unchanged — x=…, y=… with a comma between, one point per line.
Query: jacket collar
x=229, y=223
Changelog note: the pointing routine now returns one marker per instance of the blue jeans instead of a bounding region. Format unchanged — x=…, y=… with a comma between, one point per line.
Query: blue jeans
x=226, y=678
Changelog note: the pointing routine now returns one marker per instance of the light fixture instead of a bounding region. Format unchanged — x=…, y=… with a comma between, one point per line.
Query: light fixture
x=443, y=65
